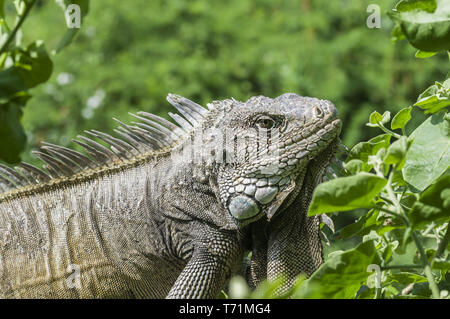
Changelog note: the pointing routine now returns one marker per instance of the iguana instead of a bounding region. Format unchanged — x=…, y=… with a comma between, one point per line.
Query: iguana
x=170, y=210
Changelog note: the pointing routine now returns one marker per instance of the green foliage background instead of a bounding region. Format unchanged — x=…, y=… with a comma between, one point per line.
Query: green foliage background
x=135, y=52
x=129, y=55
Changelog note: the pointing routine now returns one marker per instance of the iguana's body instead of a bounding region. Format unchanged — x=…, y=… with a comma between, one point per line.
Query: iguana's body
x=142, y=221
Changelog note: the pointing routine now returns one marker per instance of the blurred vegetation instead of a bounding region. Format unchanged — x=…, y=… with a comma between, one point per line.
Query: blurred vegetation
x=129, y=54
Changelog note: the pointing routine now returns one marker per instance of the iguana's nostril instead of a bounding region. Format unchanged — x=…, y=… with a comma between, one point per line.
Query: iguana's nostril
x=318, y=112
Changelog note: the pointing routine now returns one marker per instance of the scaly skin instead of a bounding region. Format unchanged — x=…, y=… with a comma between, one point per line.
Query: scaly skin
x=139, y=223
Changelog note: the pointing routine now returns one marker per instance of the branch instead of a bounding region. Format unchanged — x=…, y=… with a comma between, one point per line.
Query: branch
x=427, y=269
x=399, y=216
x=400, y=267
x=12, y=35
x=386, y=130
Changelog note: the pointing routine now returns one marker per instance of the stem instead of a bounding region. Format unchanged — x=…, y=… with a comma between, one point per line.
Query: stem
x=427, y=269
x=386, y=130
x=394, y=199
x=386, y=199
x=398, y=215
x=2, y=59
x=389, y=212
x=377, y=293
x=423, y=257
x=17, y=26
x=429, y=228
x=444, y=242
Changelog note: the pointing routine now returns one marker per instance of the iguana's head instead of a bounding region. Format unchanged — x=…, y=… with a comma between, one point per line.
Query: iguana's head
x=267, y=145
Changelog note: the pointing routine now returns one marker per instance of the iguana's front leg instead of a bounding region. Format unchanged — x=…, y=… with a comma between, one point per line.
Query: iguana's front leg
x=215, y=255
x=294, y=246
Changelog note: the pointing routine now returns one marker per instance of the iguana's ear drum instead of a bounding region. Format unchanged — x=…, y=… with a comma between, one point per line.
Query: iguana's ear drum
x=243, y=207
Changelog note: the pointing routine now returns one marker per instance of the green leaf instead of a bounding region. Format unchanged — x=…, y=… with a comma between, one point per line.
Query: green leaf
x=11, y=83
x=362, y=226
x=13, y=137
x=405, y=239
x=376, y=118
x=433, y=205
x=440, y=264
x=33, y=66
x=421, y=289
x=434, y=98
x=346, y=193
x=423, y=54
x=404, y=278
x=408, y=5
x=397, y=179
x=446, y=84
x=2, y=8
x=429, y=154
x=397, y=34
x=354, y=166
x=389, y=249
x=425, y=30
x=66, y=40
x=363, y=150
x=396, y=152
x=368, y=222
x=342, y=275
x=71, y=33
x=432, y=104
x=446, y=125
x=401, y=118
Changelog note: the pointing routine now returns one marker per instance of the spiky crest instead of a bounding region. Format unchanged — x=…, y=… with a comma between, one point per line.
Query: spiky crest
x=150, y=137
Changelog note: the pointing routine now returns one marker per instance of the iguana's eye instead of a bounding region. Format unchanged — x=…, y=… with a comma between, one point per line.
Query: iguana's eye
x=265, y=123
